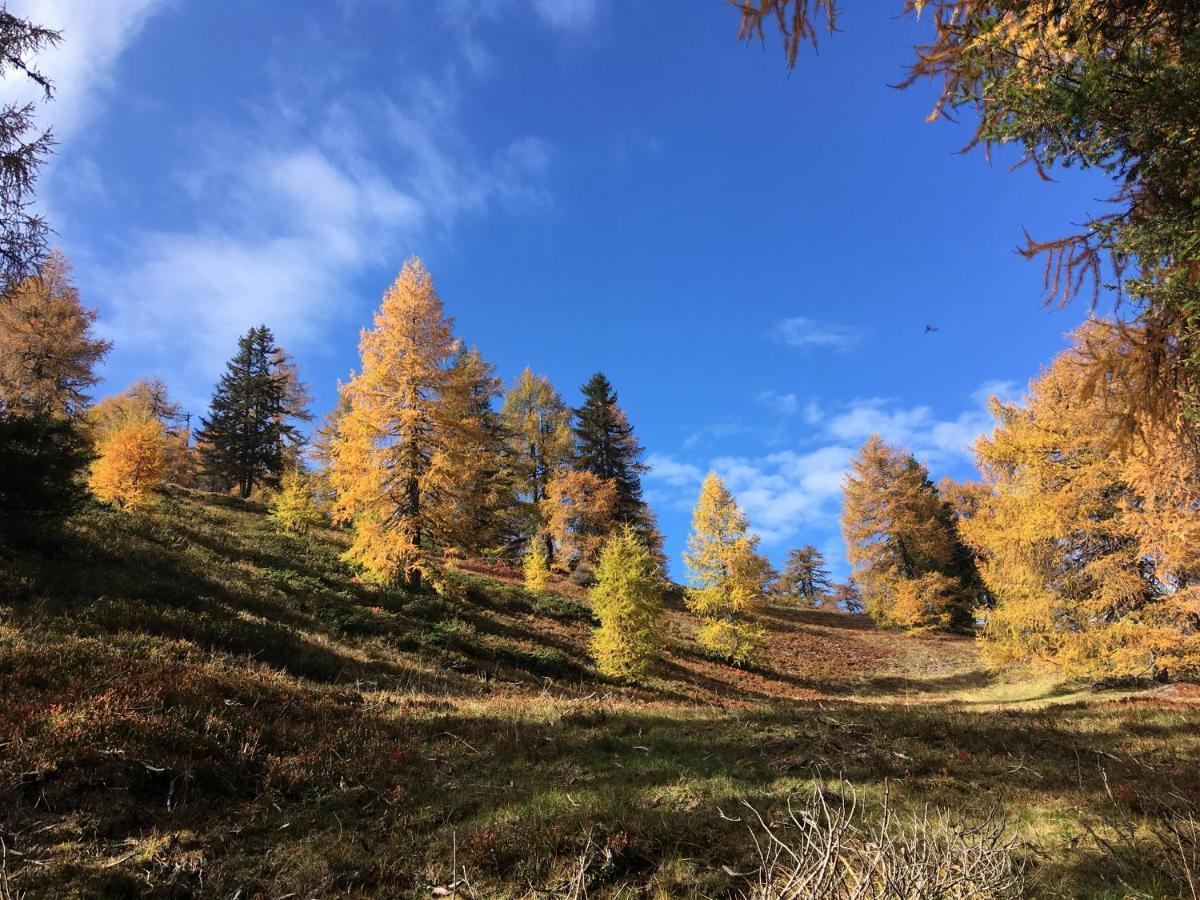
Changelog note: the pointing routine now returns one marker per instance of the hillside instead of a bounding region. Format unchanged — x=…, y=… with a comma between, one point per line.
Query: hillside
x=197, y=706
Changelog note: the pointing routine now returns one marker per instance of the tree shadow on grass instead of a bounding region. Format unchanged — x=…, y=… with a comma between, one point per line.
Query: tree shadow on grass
x=514, y=791
x=897, y=685
x=793, y=616
x=138, y=588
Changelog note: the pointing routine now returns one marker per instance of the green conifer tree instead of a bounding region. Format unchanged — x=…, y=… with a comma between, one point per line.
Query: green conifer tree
x=244, y=442
x=605, y=446
x=805, y=580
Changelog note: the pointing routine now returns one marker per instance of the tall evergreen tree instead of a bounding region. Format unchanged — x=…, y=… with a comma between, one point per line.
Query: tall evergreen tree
x=245, y=439
x=605, y=446
x=805, y=578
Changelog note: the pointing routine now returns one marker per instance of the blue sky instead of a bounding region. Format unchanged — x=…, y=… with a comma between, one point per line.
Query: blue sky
x=751, y=257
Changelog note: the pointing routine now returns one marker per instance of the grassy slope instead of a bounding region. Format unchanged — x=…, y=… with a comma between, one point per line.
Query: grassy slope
x=191, y=704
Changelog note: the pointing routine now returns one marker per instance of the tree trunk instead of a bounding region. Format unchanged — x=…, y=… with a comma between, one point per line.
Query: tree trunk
x=412, y=579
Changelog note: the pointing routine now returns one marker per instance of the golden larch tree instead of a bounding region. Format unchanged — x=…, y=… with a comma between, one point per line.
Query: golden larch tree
x=47, y=349
x=473, y=511
x=898, y=530
x=1092, y=556
x=393, y=421
x=147, y=398
x=294, y=508
x=538, y=426
x=926, y=603
x=536, y=566
x=131, y=464
x=627, y=599
x=580, y=511
x=728, y=576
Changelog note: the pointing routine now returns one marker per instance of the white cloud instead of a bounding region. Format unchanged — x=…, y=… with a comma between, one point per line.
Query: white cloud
x=939, y=442
x=781, y=493
x=793, y=495
x=784, y=492
x=567, y=15
x=803, y=332
x=284, y=232
x=1005, y=391
x=95, y=34
x=783, y=404
x=677, y=474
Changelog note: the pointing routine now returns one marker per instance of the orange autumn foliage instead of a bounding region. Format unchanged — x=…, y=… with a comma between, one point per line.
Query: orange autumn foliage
x=1093, y=556
x=131, y=465
x=409, y=451
x=580, y=512
x=47, y=349
x=381, y=454
x=901, y=541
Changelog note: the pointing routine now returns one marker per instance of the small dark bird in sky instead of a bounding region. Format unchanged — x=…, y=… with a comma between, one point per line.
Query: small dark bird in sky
x=929, y=328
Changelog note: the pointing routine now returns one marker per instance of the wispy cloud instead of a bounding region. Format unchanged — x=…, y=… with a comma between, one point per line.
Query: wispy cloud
x=274, y=217
x=781, y=493
x=305, y=218
x=938, y=441
x=469, y=19
x=95, y=34
x=567, y=15
x=677, y=474
x=794, y=495
x=779, y=403
x=804, y=333
x=715, y=432
x=785, y=492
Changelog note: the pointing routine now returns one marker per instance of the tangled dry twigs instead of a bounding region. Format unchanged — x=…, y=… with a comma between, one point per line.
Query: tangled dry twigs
x=823, y=848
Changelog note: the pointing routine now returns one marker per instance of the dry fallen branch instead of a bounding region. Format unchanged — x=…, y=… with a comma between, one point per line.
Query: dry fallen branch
x=1167, y=837
x=825, y=848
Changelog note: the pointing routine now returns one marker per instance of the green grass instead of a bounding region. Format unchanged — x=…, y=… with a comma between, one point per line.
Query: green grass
x=194, y=705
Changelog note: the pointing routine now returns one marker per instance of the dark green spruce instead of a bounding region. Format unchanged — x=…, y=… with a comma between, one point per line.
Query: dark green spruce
x=249, y=434
x=606, y=447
